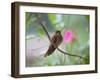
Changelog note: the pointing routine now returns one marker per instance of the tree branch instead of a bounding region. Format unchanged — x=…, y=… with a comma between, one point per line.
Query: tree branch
x=70, y=54
x=43, y=26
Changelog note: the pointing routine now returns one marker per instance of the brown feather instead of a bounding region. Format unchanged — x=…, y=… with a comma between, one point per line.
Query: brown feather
x=55, y=42
x=50, y=50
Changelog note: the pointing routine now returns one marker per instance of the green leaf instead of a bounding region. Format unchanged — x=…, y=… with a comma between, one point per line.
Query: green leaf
x=52, y=18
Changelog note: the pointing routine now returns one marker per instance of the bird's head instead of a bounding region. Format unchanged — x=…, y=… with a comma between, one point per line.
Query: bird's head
x=58, y=31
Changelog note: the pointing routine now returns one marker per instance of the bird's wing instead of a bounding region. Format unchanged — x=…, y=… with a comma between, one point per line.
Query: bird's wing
x=54, y=39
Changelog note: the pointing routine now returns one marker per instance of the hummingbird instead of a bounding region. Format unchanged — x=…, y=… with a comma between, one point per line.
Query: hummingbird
x=56, y=40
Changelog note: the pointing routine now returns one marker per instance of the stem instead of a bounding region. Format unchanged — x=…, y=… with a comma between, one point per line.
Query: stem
x=71, y=54
x=64, y=61
x=43, y=26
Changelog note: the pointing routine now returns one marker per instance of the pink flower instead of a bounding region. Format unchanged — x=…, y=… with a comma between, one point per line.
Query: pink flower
x=68, y=36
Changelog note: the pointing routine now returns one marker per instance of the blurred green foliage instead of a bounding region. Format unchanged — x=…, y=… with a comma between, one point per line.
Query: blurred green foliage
x=77, y=23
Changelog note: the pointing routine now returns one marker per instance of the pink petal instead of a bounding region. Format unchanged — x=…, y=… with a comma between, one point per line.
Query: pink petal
x=68, y=36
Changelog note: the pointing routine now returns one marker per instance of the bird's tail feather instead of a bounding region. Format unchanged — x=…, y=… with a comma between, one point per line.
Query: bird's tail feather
x=50, y=51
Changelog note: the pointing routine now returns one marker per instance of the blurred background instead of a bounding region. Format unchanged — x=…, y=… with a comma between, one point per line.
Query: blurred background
x=74, y=29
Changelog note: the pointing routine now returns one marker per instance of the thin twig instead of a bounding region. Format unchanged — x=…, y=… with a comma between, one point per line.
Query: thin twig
x=43, y=26
x=70, y=54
